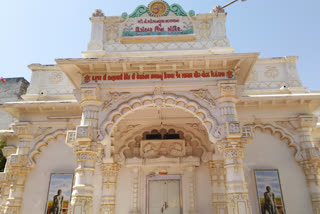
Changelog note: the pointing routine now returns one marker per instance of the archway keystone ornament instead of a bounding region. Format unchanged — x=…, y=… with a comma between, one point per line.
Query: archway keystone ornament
x=158, y=8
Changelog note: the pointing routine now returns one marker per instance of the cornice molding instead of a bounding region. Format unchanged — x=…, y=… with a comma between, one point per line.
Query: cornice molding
x=277, y=60
x=40, y=67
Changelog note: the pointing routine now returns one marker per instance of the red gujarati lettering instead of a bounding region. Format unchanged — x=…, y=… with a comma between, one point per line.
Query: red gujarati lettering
x=157, y=76
x=196, y=74
x=115, y=77
x=168, y=76
x=142, y=76
x=96, y=78
x=126, y=77
x=230, y=74
x=187, y=75
x=86, y=79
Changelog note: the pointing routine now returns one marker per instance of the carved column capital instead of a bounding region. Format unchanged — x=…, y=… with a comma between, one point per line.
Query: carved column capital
x=87, y=94
x=306, y=122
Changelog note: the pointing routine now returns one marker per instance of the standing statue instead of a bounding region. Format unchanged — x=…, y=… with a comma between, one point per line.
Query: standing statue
x=269, y=202
x=57, y=203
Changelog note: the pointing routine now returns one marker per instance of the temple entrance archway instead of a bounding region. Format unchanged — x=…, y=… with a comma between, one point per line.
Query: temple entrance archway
x=204, y=113
x=152, y=142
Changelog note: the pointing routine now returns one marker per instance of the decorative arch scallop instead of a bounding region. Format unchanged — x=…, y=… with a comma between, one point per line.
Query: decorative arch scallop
x=178, y=101
x=285, y=136
x=43, y=142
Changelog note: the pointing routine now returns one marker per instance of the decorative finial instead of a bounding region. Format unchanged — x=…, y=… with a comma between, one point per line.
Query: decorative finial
x=98, y=13
x=231, y=3
x=217, y=9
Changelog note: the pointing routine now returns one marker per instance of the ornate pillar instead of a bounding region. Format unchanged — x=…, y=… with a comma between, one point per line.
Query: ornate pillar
x=109, y=184
x=231, y=147
x=227, y=101
x=4, y=183
x=17, y=169
x=189, y=175
x=310, y=159
x=218, y=185
x=135, y=190
x=87, y=151
x=236, y=186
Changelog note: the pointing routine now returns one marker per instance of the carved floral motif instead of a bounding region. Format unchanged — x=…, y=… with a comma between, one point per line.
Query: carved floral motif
x=204, y=95
x=56, y=77
x=113, y=97
x=271, y=72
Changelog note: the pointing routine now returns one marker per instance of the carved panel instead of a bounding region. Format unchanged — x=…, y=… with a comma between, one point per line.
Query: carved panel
x=205, y=96
x=113, y=97
x=247, y=132
x=71, y=137
x=84, y=133
x=227, y=90
x=158, y=148
x=234, y=128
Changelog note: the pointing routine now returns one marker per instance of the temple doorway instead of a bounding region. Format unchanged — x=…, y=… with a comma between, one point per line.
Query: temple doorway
x=164, y=194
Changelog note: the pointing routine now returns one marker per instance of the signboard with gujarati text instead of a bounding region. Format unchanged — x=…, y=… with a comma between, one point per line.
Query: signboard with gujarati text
x=202, y=75
x=158, y=22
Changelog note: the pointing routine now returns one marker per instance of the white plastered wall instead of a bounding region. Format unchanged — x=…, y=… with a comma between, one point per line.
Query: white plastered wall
x=124, y=191
x=56, y=158
x=268, y=152
x=204, y=191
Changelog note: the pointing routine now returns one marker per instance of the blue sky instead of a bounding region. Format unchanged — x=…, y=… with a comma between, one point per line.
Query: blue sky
x=267, y=178
x=38, y=31
x=63, y=182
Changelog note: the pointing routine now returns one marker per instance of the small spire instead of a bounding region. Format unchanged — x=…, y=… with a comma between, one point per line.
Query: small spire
x=98, y=13
x=218, y=9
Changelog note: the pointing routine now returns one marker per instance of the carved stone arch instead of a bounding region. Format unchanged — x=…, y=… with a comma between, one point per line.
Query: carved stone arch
x=178, y=101
x=285, y=136
x=43, y=142
x=138, y=131
x=196, y=144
